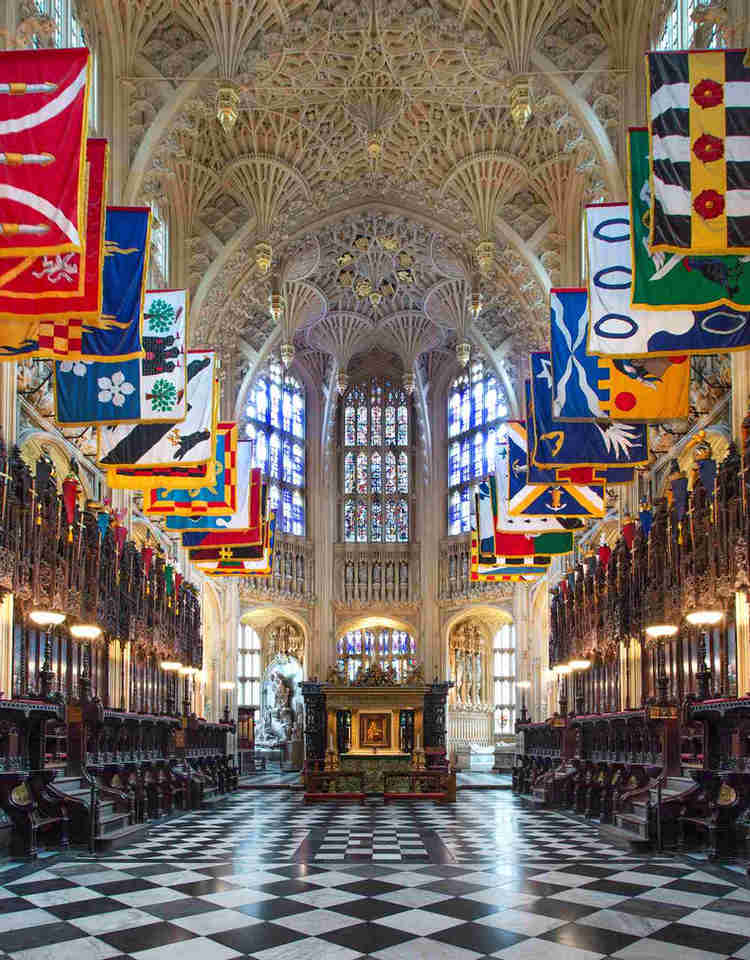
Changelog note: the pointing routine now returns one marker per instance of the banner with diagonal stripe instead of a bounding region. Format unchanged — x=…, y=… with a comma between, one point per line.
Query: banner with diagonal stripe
x=42, y=297
x=189, y=442
x=42, y=151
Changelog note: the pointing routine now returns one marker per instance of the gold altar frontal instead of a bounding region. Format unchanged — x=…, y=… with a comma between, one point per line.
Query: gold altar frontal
x=375, y=714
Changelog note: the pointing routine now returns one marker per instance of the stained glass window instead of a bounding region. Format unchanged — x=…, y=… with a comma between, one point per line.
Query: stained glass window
x=392, y=648
x=248, y=666
x=376, y=463
x=504, y=676
x=477, y=405
x=275, y=426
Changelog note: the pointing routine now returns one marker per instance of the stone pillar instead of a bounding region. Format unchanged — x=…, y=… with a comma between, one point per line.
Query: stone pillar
x=9, y=430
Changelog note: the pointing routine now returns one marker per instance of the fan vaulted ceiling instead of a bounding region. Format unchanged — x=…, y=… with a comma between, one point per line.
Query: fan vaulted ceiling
x=379, y=150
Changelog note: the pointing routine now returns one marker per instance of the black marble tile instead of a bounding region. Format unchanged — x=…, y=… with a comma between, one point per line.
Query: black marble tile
x=617, y=887
x=585, y=937
x=41, y=935
x=84, y=908
x=463, y=909
x=652, y=908
x=184, y=907
x=559, y=909
x=367, y=888
x=478, y=937
x=737, y=908
x=697, y=886
x=687, y=935
x=367, y=936
x=199, y=888
x=150, y=935
x=274, y=909
x=368, y=909
x=125, y=886
x=257, y=937
x=452, y=888
x=40, y=886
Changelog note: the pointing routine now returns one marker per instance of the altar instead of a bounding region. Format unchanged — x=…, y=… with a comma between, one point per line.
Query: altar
x=375, y=729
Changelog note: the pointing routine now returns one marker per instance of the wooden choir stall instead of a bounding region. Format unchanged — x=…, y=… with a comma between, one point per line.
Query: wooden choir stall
x=652, y=734
x=98, y=736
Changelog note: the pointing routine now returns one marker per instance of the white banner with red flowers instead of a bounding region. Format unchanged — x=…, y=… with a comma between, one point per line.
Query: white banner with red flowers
x=699, y=127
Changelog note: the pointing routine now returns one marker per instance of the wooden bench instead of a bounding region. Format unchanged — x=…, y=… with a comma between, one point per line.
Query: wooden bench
x=438, y=782
x=316, y=780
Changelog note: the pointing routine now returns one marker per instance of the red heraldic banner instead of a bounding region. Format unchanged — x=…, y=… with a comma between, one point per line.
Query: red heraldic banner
x=43, y=122
x=41, y=295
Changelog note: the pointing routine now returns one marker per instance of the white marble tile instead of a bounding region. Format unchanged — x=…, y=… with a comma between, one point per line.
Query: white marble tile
x=713, y=920
x=19, y=919
x=701, y=877
x=412, y=897
x=325, y=897
x=562, y=878
x=315, y=922
x=533, y=949
x=144, y=898
x=680, y=897
x=419, y=922
x=648, y=949
x=501, y=897
x=588, y=898
x=97, y=877
x=311, y=948
x=237, y=898
x=217, y=921
x=200, y=948
x=632, y=923
x=99, y=923
x=87, y=948
x=173, y=878
x=517, y=921
x=422, y=949
x=643, y=879
x=69, y=895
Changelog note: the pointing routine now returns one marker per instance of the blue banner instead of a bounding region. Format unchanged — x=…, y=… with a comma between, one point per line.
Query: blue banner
x=560, y=444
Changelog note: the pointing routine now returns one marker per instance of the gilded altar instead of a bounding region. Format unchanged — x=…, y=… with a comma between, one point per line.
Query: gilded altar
x=374, y=727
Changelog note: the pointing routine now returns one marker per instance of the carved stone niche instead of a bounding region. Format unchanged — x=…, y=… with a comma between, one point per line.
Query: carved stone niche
x=285, y=638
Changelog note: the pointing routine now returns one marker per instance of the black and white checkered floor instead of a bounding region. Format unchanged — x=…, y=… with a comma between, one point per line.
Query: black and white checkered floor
x=266, y=877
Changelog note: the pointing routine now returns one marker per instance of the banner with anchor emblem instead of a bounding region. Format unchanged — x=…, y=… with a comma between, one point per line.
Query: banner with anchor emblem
x=187, y=443
x=231, y=563
x=545, y=499
x=561, y=444
x=149, y=389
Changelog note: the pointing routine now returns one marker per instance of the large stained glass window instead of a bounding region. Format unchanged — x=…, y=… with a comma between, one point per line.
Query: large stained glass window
x=477, y=407
x=376, y=480
x=390, y=648
x=275, y=425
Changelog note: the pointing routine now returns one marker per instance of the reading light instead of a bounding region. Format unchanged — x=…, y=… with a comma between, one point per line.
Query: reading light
x=659, y=631
x=86, y=631
x=704, y=618
x=562, y=668
x=47, y=618
x=171, y=665
x=579, y=664
x=524, y=684
x=226, y=685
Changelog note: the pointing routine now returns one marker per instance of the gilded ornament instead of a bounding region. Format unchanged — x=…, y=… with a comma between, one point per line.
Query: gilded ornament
x=227, y=101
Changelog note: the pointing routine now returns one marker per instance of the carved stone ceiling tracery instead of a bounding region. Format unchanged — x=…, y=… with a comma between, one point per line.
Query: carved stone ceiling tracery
x=365, y=118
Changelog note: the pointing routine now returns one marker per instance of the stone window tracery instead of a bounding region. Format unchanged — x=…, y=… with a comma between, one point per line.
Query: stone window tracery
x=389, y=647
x=248, y=666
x=275, y=425
x=477, y=405
x=504, y=670
x=375, y=466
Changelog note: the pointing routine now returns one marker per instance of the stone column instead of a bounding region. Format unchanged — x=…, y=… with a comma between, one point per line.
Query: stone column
x=9, y=429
